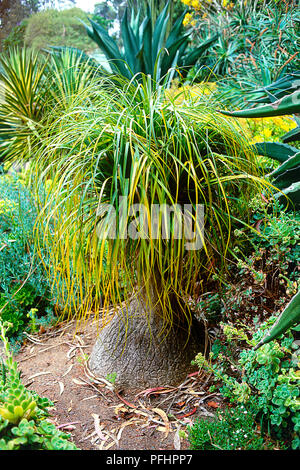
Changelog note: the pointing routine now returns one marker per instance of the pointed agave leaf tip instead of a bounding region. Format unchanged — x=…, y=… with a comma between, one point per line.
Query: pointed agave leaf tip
x=289, y=104
x=289, y=316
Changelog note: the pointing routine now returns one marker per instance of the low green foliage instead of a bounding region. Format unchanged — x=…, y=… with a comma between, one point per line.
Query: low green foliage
x=112, y=377
x=265, y=381
x=23, y=284
x=265, y=274
x=23, y=413
x=231, y=429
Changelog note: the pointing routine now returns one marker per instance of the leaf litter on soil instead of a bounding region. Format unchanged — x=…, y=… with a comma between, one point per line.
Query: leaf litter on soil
x=161, y=411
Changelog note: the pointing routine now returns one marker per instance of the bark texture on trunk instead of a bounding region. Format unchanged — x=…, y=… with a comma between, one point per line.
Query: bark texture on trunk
x=135, y=349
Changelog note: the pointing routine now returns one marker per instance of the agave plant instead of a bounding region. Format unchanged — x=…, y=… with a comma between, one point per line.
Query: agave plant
x=286, y=176
x=288, y=318
x=147, y=48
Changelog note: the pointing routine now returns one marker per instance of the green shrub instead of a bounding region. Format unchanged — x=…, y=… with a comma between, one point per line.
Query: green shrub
x=15, y=37
x=23, y=284
x=265, y=381
x=231, y=429
x=23, y=413
x=265, y=274
x=57, y=28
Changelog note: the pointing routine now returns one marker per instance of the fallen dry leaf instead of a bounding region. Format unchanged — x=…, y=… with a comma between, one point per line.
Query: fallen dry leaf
x=68, y=370
x=69, y=426
x=131, y=422
x=190, y=413
x=89, y=398
x=78, y=382
x=193, y=374
x=61, y=388
x=98, y=428
x=120, y=408
x=177, y=442
x=38, y=374
x=125, y=401
x=180, y=404
x=155, y=391
x=109, y=446
x=163, y=415
x=212, y=404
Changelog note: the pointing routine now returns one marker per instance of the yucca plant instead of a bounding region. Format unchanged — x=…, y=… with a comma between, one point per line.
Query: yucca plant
x=23, y=92
x=148, y=48
x=31, y=84
x=109, y=162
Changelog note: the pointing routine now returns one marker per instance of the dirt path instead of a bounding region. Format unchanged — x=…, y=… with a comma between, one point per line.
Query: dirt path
x=54, y=364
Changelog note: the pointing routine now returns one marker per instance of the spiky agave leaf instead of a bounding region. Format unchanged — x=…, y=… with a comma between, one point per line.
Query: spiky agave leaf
x=149, y=48
x=275, y=150
x=289, y=317
x=281, y=87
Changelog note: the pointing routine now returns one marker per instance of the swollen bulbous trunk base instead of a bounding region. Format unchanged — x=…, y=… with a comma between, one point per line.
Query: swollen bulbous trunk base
x=134, y=350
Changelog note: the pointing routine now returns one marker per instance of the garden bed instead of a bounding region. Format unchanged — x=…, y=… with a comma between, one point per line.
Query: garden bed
x=54, y=364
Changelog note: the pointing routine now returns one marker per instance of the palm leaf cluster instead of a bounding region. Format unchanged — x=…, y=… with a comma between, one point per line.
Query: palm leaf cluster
x=31, y=84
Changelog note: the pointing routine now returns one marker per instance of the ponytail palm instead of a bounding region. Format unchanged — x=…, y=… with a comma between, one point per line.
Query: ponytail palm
x=134, y=146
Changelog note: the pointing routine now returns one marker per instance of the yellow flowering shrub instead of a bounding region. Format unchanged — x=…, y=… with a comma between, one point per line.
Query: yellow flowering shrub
x=186, y=92
x=7, y=207
x=257, y=129
x=200, y=6
x=10, y=173
x=267, y=129
x=189, y=20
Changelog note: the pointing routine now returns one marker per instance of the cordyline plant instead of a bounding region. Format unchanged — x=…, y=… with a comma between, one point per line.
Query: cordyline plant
x=22, y=98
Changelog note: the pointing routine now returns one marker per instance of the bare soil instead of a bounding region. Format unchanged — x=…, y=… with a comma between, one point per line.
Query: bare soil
x=54, y=363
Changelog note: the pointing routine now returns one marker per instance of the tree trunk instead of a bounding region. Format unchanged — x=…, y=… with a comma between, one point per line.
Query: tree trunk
x=135, y=350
